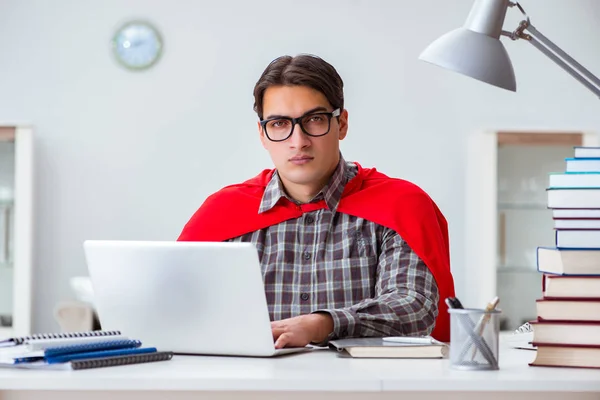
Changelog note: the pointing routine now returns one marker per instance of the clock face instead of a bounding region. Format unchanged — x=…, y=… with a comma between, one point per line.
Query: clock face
x=137, y=45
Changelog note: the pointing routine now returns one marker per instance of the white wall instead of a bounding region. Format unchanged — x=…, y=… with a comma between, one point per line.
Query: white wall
x=126, y=155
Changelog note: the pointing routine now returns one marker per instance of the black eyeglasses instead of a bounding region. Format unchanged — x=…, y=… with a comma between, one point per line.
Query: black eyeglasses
x=313, y=124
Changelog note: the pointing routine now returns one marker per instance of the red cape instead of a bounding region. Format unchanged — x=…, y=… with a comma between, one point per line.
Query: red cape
x=394, y=203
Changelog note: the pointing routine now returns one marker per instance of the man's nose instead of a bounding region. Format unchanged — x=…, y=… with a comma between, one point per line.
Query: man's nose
x=299, y=139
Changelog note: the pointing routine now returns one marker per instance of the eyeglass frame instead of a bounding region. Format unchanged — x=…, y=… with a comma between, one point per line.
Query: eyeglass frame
x=331, y=114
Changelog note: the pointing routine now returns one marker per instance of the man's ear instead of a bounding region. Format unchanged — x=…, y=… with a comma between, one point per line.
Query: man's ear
x=343, y=121
x=261, y=134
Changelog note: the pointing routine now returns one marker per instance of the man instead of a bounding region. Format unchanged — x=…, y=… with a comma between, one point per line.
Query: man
x=345, y=251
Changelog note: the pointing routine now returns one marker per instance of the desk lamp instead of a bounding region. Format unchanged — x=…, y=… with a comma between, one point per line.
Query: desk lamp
x=475, y=49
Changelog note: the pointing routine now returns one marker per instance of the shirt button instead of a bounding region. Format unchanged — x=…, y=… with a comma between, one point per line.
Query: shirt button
x=307, y=255
x=309, y=219
x=304, y=296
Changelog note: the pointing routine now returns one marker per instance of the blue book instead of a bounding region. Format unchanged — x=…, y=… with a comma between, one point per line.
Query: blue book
x=582, y=164
x=78, y=348
x=98, y=354
x=89, y=347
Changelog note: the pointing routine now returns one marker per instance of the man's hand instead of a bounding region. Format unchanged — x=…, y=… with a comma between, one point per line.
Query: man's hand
x=302, y=330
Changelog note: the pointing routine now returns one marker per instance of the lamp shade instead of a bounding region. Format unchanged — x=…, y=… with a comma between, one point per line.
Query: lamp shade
x=475, y=50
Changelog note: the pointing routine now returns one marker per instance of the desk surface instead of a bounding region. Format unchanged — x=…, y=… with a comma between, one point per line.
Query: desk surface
x=320, y=370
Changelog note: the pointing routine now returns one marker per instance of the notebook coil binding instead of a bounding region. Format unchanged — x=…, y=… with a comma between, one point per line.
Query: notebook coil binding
x=65, y=335
x=121, y=360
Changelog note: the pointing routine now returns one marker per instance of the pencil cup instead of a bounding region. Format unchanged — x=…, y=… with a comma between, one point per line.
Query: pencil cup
x=474, y=336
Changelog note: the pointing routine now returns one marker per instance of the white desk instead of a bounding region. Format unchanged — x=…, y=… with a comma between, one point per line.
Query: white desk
x=320, y=374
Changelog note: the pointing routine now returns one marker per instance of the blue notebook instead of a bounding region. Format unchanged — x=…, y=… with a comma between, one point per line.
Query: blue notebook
x=76, y=349
x=98, y=354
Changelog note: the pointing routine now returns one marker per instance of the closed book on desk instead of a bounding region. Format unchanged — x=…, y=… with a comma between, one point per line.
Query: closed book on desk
x=59, y=338
x=565, y=355
x=568, y=309
x=561, y=286
x=575, y=213
x=100, y=362
x=21, y=354
x=577, y=238
x=566, y=332
x=573, y=180
x=552, y=260
x=582, y=198
x=378, y=348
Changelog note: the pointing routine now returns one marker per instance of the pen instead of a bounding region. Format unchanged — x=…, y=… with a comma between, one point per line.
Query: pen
x=453, y=302
x=411, y=340
x=486, y=317
x=484, y=320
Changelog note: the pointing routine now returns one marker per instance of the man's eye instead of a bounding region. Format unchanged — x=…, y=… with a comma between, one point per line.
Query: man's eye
x=279, y=123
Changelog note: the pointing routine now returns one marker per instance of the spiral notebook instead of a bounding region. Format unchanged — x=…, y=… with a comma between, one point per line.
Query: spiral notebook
x=83, y=356
x=15, y=341
x=103, y=362
x=24, y=355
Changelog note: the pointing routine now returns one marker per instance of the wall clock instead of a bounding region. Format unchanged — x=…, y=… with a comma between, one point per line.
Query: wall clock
x=137, y=45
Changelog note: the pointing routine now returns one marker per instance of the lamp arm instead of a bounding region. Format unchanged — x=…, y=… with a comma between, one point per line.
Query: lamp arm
x=555, y=53
x=546, y=42
x=572, y=67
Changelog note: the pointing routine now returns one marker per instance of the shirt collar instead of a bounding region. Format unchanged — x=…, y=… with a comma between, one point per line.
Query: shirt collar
x=331, y=193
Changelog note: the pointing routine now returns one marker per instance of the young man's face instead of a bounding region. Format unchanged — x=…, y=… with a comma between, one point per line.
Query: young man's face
x=302, y=159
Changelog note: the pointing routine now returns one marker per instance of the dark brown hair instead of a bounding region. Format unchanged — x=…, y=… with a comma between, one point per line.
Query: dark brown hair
x=301, y=70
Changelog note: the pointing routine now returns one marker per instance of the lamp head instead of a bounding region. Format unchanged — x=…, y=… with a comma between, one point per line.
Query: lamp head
x=475, y=49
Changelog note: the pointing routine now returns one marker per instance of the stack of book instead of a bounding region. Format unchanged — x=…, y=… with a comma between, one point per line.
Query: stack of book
x=76, y=350
x=567, y=330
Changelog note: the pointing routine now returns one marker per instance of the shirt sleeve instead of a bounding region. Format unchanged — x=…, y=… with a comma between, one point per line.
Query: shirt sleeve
x=405, y=302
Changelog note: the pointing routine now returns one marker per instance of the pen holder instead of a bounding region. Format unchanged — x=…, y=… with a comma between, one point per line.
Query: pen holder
x=474, y=336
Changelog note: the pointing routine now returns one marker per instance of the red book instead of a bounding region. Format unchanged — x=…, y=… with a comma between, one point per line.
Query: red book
x=568, y=309
x=566, y=332
x=566, y=355
x=561, y=286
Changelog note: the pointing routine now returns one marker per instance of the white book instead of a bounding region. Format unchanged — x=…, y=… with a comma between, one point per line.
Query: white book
x=578, y=239
x=576, y=261
x=48, y=343
x=44, y=338
x=573, y=198
x=577, y=224
x=577, y=213
x=586, y=152
x=574, y=180
x=583, y=164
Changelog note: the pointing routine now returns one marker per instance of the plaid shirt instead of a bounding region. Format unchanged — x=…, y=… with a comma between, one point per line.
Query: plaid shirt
x=361, y=273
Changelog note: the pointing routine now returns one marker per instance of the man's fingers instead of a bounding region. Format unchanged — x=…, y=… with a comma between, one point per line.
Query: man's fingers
x=283, y=340
x=277, y=330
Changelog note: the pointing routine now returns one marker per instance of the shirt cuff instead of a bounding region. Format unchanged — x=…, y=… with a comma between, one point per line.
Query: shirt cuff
x=344, y=324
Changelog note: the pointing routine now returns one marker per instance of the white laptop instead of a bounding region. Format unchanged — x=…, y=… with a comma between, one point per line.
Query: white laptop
x=185, y=297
